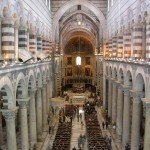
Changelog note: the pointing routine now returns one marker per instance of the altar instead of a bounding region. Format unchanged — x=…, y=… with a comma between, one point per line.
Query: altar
x=78, y=98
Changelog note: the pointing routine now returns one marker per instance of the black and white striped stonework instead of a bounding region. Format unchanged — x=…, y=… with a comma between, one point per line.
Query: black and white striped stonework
x=44, y=45
x=120, y=45
x=39, y=44
x=137, y=40
x=107, y=49
x=127, y=43
x=110, y=48
x=32, y=43
x=148, y=40
x=114, y=47
x=22, y=38
x=8, y=40
x=47, y=47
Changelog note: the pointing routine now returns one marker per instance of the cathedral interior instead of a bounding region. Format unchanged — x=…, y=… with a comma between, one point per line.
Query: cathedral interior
x=74, y=75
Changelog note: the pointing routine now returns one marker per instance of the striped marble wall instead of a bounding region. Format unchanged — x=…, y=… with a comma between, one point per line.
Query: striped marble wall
x=39, y=43
x=110, y=48
x=114, y=47
x=127, y=43
x=22, y=38
x=107, y=49
x=120, y=45
x=44, y=44
x=148, y=39
x=8, y=40
x=137, y=40
x=32, y=42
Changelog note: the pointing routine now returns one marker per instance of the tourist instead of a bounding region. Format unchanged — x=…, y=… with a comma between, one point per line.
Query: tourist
x=49, y=129
x=71, y=119
x=80, y=116
x=74, y=148
x=106, y=124
x=103, y=125
x=82, y=125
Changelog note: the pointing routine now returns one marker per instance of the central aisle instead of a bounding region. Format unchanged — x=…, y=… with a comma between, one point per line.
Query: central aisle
x=77, y=131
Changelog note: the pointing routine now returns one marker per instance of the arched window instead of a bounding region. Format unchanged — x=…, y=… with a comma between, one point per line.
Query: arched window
x=78, y=60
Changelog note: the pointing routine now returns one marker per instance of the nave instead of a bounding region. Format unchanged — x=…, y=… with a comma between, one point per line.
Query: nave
x=67, y=139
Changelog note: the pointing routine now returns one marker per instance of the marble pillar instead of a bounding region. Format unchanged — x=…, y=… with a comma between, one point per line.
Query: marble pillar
x=1, y=131
x=24, y=123
x=119, y=124
x=44, y=112
x=126, y=118
x=10, y=116
x=136, y=120
x=114, y=103
x=47, y=95
x=146, y=103
x=39, y=112
x=32, y=118
x=109, y=97
x=16, y=43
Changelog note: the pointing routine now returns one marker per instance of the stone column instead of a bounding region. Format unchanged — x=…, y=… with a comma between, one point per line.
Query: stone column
x=109, y=97
x=146, y=102
x=137, y=40
x=16, y=43
x=39, y=112
x=148, y=39
x=126, y=118
x=32, y=118
x=24, y=123
x=10, y=116
x=8, y=39
x=48, y=95
x=114, y=102
x=44, y=113
x=120, y=44
x=1, y=131
x=119, y=124
x=136, y=120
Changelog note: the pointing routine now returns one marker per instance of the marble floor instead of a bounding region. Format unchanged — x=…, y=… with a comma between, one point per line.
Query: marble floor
x=77, y=131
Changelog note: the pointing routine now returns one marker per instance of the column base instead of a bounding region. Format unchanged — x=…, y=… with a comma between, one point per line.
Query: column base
x=40, y=138
x=118, y=138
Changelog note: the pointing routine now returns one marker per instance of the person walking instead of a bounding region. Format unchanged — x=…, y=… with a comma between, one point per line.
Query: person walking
x=78, y=117
x=74, y=148
x=49, y=129
x=103, y=125
x=106, y=124
x=82, y=125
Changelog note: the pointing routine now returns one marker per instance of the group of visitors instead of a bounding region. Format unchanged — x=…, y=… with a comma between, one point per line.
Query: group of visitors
x=105, y=125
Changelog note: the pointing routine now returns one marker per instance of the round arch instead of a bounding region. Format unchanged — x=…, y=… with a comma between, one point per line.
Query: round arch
x=22, y=83
x=6, y=86
x=72, y=3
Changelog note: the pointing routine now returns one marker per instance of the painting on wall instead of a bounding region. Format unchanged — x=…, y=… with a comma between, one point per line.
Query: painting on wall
x=69, y=60
x=87, y=71
x=87, y=60
x=69, y=71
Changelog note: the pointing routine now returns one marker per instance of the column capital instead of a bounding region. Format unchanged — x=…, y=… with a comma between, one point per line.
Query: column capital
x=136, y=96
x=9, y=114
x=33, y=90
x=119, y=84
x=23, y=102
x=126, y=90
x=146, y=104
